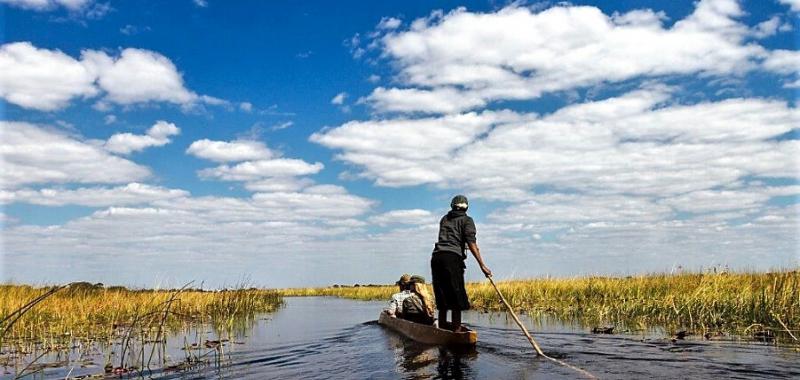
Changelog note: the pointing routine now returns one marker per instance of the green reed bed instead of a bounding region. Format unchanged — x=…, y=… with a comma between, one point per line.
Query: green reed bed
x=765, y=304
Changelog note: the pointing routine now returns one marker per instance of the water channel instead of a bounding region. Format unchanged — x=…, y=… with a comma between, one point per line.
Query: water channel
x=332, y=338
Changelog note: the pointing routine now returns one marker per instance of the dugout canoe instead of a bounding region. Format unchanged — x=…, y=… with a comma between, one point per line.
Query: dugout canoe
x=428, y=334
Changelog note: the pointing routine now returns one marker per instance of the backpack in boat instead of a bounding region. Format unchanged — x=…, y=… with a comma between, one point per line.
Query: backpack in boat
x=414, y=310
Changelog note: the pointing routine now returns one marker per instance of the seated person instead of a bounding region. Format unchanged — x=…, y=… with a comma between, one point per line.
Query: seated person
x=418, y=307
x=395, y=307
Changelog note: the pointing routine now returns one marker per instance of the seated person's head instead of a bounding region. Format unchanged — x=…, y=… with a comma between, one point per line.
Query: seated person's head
x=416, y=283
x=404, y=283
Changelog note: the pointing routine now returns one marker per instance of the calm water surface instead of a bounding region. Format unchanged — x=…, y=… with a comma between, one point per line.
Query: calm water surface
x=322, y=338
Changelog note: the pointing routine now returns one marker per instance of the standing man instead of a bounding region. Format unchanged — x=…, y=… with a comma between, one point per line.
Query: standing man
x=456, y=234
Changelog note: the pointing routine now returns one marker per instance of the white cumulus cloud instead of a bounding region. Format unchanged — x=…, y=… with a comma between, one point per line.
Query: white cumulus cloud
x=46, y=5
x=634, y=143
x=785, y=62
x=157, y=135
x=257, y=170
x=558, y=210
x=767, y=28
x=257, y=166
x=130, y=194
x=463, y=60
x=48, y=80
x=389, y=23
x=42, y=79
x=137, y=76
x=793, y=4
x=412, y=216
x=408, y=151
x=439, y=100
x=225, y=151
x=35, y=155
x=339, y=98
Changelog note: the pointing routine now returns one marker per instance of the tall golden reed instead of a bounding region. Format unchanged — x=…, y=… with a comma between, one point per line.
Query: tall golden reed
x=728, y=302
x=85, y=311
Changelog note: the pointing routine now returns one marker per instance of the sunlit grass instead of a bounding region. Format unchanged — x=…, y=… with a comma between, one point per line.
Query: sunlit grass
x=728, y=302
x=731, y=302
x=89, y=312
x=365, y=293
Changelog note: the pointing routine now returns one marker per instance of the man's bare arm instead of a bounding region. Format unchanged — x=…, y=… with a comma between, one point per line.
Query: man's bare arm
x=473, y=247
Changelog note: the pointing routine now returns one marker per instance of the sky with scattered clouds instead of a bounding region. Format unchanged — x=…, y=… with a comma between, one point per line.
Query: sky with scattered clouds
x=298, y=144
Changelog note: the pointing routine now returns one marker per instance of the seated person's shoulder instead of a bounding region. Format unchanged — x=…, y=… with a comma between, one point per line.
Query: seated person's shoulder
x=412, y=304
x=414, y=310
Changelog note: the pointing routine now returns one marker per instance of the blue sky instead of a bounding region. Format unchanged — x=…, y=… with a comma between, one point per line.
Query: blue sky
x=290, y=144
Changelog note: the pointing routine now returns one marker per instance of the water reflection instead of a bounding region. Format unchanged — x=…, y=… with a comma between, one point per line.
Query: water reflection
x=455, y=363
x=419, y=361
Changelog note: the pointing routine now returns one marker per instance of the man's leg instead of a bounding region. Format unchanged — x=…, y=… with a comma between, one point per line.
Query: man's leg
x=456, y=320
x=443, y=319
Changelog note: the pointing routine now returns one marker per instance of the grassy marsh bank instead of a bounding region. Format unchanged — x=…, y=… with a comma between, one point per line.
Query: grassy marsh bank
x=91, y=312
x=45, y=328
x=757, y=304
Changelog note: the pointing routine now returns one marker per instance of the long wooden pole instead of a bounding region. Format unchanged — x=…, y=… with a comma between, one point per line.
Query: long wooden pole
x=530, y=338
x=516, y=319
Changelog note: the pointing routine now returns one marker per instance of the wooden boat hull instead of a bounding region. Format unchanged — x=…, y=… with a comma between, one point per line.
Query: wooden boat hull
x=427, y=334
